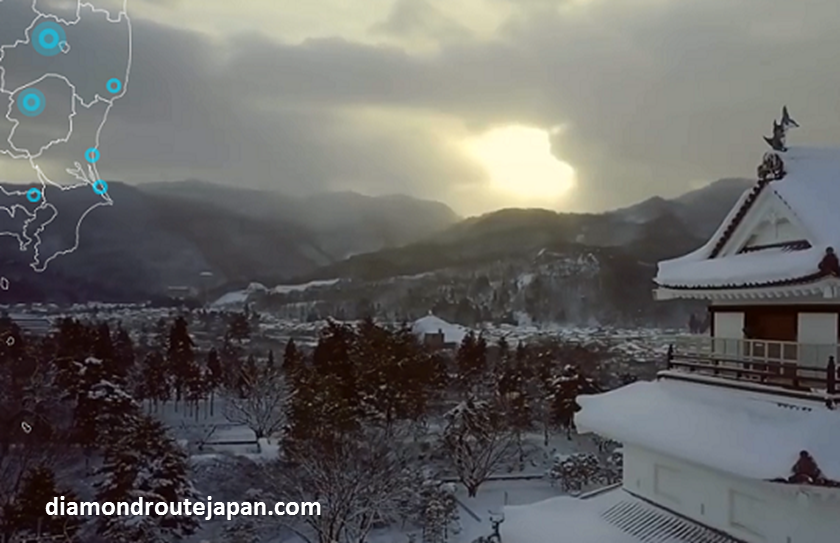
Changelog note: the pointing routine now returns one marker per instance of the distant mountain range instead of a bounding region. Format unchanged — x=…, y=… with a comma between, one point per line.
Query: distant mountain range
x=162, y=235
x=521, y=265
x=167, y=234
x=340, y=224
x=649, y=231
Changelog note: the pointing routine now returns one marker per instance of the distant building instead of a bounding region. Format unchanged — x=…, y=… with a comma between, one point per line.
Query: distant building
x=437, y=333
x=32, y=324
x=206, y=280
x=181, y=292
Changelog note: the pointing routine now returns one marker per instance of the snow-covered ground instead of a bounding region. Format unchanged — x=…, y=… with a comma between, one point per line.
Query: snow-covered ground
x=221, y=467
x=239, y=297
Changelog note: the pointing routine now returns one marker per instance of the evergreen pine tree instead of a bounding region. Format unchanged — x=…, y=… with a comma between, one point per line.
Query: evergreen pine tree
x=26, y=514
x=506, y=371
x=79, y=380
x=292, y=360
x=73, y=341
x=438, y=513
x=503, y=352
x=16, y=366
x=181, y=358
x=240, y=530
x=418, y=378
x=215, y=376
x=471, y=360
x=269, y=362
x=337, y=388
x=302, y=426
x=378, y=362
x=146, y=463
x=239, y=327
x=230, y=357
x=566, y=387
x=154, y=378
x=123, y=351
x=464, y=361
x=108, y=409
x=103, y=349
x=161, y=335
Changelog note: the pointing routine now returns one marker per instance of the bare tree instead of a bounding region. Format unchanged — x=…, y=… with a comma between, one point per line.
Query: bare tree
x=258, y=401
x=357, y=478
x=197, y=435
x=477, y=441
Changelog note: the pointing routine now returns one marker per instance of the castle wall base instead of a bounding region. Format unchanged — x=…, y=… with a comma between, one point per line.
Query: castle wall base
x=749, y=510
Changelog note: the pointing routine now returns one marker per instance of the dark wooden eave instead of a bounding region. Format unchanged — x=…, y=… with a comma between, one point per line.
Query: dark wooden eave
x=798, y=245
x=779, y=283
x=739, y=216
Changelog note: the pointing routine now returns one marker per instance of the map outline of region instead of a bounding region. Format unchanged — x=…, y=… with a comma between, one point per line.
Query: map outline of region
x=86, y=176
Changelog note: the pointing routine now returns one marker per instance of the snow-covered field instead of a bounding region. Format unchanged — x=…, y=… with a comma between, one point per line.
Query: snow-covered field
x=221, y=468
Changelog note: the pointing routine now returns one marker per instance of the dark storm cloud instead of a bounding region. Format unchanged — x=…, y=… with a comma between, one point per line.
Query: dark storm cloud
x=653, y=95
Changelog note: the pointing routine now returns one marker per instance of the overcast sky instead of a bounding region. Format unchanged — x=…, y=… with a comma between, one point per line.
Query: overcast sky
x=481, y=104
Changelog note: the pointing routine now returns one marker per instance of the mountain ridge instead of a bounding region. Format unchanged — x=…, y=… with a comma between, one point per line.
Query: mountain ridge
x=168, y=234
x=520, y=266
x=669, y=228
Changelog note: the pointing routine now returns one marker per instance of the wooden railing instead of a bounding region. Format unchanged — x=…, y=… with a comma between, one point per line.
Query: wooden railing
x=797, y=366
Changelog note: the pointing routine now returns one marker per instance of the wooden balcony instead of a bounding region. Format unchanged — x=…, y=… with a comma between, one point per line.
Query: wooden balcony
x=796, y=369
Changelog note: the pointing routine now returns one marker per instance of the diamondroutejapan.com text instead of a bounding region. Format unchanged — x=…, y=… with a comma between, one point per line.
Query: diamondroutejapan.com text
x=207, y=509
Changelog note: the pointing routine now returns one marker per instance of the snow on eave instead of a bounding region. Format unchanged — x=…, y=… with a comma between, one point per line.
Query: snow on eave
x=706, y=250
x=811, y=192
x=743, y=434
x=772, y=266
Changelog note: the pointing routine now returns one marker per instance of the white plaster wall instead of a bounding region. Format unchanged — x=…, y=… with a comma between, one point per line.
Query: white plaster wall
x=745, y=509
x=757, y=223
x=728, y=326
x=766, y=234
x=818, y=333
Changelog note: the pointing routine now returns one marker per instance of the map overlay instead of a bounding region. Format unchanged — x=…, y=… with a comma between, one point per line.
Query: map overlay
x=57, y=86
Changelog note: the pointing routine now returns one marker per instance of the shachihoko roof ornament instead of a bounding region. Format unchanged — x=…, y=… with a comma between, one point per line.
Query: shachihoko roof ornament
x=777, y=141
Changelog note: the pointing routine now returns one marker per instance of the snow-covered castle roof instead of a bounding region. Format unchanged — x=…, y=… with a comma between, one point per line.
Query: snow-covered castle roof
x=614, y=516
x=775, y=235
x=737, y=432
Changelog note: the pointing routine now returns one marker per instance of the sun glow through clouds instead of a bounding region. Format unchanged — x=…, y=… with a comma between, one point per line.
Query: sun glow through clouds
x=520, y=165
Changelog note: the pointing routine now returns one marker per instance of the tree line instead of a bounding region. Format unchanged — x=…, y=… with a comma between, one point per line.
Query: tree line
x=350, y=416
